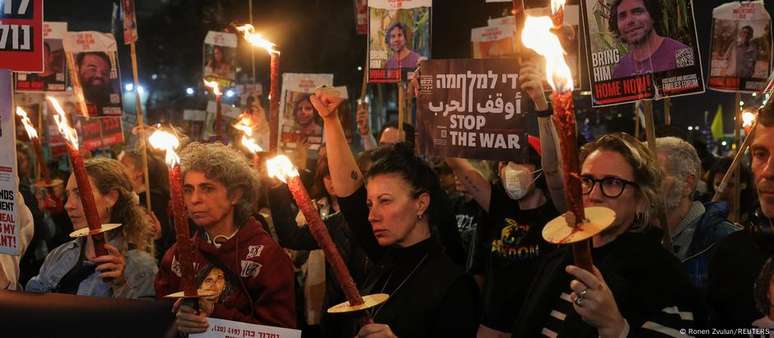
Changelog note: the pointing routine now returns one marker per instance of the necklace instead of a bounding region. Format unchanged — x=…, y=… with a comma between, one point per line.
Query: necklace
x=394, y=292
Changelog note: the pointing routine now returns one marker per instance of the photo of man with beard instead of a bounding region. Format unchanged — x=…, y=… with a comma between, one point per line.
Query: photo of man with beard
x=94, y=76
x=402, y=57
x=634, y=23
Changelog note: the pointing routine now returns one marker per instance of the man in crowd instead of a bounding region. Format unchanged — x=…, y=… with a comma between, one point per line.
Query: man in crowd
x=695, y=228
x=739, y=257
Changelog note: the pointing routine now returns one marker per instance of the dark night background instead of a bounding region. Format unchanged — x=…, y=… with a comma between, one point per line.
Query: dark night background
x=319, y=36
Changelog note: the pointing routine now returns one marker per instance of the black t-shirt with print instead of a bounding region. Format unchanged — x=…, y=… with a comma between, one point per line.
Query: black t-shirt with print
x=515, y=242
x=468, y=215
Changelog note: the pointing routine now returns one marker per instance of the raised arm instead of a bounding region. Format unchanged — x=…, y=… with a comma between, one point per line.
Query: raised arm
x=531, y=82
x=345, y=174
x=474, y=182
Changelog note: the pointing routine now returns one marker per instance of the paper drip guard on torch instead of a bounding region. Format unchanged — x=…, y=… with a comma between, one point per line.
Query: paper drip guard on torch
x=166, y=141
x=281, y=168
x=579, y=224
x=95, y=228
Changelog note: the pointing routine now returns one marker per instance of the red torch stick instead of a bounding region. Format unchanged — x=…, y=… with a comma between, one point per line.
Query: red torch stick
x=281, y=168
x=32, y=133
x=81, y=178
x=185, y=250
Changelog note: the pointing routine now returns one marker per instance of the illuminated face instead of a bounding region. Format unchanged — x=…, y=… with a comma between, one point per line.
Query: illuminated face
x=94, y=71
x=634, y=22
x=762, y=150
x=74, y=207
x=207, y=201
x=602, y=164
x=397, y=39
x=305, y=113
x=393, y=210
x=215, y=281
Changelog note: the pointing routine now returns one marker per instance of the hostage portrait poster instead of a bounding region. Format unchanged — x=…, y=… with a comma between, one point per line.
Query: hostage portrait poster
x=740, y=53
x=93, y=62
x=471, y=108
x=641, y=49
x=398, y=38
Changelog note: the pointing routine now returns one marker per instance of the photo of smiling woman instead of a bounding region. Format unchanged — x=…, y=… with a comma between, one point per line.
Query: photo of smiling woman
x=391, y=211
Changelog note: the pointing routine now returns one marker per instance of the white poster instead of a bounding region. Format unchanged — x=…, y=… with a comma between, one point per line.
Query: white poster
x=9, y=181
x=222, y=328
x=93, y=57
x=54, y=75
x=299, y=122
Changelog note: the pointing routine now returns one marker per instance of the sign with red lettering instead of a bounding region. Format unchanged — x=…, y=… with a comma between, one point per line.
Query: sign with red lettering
x=222, y=328
x=740, y=53
x=54, y=75
x=399, y=37
x=9, y=180
x=100, y=132
x=21, y=35
x=634, y=54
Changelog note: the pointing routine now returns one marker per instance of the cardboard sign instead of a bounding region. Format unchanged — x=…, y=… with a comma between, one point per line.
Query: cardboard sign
x=630, y=61
x=93, y=62
x=299, y=122
x=9, y=181
x=54, y=76
x=740, y=53
x=220, y=57
x=471, y=108
x=21, y=29
x=398, y=38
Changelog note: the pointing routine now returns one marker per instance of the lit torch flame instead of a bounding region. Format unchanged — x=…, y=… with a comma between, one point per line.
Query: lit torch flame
x=164, y=140
x=214, y=86
x=747, y=119
x=281, y=168
x=557, y=5
x=256, y=39
x=538, y=37
x=245, y=125
x=31, y=132
x=69, y=133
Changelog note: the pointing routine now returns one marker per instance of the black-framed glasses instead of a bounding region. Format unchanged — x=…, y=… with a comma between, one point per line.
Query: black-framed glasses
x=611, y=186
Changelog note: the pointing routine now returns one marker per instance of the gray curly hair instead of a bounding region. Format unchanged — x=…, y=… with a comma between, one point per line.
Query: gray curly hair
x=681, y=159
x=227, y=166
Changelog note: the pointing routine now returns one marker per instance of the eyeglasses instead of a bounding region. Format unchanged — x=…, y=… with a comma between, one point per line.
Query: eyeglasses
x=611, y=186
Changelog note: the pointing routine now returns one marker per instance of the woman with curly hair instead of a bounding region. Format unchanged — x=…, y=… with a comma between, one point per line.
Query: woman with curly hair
x=127, y=271
x=220, y=191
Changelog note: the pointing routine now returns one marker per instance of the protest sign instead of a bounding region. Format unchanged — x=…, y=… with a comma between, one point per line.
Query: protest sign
x=299, y=122
x=129, y=20
x=95, y=75
x=398, y=37
x=493, y=42
x=222, y=328
x=361, y=17
x=21, y=29
x=54, y=75
x=471, y=109
x=740, y=53
x=9, y=181
x=633, y=57
x=219, y=57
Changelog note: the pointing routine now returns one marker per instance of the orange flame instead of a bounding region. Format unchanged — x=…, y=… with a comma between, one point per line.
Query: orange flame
x=256, y=39
x=747, y=119
x=281, y=168
x=69, y=133
x=245, y=124
x=31, y=132
x=537, y=36
x=164, y=140
x=214, y=86
x=557, y=5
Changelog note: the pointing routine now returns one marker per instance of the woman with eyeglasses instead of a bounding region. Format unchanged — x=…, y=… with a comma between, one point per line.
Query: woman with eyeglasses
x=636, y=287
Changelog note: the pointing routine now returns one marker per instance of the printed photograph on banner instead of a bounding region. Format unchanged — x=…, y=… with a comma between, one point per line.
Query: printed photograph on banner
x=94, y=57
x=493, y=42
x=569, y=37
x=740, y=52
x=471, y=108
x=21, y=45
x=361, y=16
x=220, y=57
x=398, y=38
x=100, y=132
x=54, y=76
x=299, y=123
x=635, y=53
x=130, y=21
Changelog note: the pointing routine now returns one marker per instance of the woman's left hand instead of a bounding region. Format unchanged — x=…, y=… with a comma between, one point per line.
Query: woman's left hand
x=376, y=331
x=111, y=265
x=594, y=302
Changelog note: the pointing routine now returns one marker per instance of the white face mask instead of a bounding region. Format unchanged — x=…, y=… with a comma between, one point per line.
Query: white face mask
x=517, y=182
